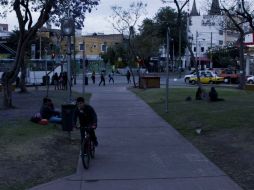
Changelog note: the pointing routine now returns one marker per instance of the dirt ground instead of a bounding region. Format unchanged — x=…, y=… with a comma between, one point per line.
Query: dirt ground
x=232, y=150
x=39, y=160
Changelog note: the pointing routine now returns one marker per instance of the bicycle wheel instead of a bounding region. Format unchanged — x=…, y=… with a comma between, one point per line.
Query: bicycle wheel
x=85, y=155
x=92, y=149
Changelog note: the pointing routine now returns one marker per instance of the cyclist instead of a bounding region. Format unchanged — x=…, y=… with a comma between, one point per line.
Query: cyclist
x=87, y=118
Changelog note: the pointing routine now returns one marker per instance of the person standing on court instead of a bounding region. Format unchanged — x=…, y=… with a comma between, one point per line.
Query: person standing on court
x=102, y=79
x=111, y=77
x=93, y=77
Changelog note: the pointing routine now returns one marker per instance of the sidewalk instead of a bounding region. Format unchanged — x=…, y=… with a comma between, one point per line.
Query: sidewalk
x=138, y=150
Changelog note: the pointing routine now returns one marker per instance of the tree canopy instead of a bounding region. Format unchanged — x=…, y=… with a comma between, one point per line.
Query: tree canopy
x=32, y=15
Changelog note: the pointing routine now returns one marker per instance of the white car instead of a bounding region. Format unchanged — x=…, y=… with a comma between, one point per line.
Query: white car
x=250, y=80
x=193, y=75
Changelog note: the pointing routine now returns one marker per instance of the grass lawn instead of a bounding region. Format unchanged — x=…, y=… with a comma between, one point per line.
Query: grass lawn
x=236, y=111
x=227, y=126
x=31, y=154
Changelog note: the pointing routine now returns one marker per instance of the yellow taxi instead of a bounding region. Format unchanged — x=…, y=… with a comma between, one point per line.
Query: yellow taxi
x=207, y=78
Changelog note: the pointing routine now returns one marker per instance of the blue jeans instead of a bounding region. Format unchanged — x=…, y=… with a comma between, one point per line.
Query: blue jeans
x=55, y=119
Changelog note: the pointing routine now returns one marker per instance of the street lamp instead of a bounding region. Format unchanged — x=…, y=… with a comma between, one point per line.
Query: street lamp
x=67, y=29
x=173, y=65
x=167, y=79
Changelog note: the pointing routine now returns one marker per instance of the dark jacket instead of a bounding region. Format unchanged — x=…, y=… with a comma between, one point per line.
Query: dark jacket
x=46, y=112
x=87, y=116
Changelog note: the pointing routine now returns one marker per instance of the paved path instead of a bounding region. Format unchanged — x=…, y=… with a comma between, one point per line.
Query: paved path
x=138, y=150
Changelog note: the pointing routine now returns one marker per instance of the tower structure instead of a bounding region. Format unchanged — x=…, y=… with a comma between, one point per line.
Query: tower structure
x=194, y=11
x=215, y=8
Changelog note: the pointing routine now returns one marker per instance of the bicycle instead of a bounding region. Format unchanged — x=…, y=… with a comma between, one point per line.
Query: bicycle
x=87, y=149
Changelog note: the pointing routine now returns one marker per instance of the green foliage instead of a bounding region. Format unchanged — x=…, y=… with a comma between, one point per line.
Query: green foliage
x=115, y=53
x=23, y=130
x=153, y=33
x=225, y=57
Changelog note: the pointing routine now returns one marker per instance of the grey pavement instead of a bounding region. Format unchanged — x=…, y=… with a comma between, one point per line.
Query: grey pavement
x=138, y=150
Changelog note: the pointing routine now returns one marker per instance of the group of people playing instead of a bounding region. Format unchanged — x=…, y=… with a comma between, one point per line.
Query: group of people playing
x=212, y=95
x=110, y=77
x=60, y=82
x=103, y=80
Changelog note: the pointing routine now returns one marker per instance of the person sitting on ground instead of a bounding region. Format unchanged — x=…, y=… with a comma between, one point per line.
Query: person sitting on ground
x=87, y=118
x=213, y=95
x=201, y=94
x=48, y=111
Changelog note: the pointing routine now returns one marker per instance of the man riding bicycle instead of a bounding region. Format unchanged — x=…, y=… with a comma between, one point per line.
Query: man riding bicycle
x=87, y=119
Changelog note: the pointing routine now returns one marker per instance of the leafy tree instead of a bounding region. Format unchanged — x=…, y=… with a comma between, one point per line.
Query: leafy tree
x=153, y=33
x=115, y=53
x=241, y=19
x=125, y=21
x=225, y=57
x=53, y=10
x=148, y=42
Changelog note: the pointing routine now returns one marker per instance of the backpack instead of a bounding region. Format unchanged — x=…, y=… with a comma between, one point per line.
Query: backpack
x=36, y=118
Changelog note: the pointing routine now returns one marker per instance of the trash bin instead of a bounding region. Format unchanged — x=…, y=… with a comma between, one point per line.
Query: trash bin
x=149, y=82
x=86, y=80
x=67, y=116
x=45, y=80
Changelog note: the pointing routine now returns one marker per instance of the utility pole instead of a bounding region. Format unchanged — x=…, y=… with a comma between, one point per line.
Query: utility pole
x=211, y=58
x=197, y=50
x=84, y=69
x=167, y=79
x=40, y=42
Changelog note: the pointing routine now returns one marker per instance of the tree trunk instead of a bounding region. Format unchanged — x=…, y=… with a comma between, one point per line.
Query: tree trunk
x=7, y=89
x=196, y=64
x=23, y=67
x=242, y=63
x=9, y=77
x=133, y=77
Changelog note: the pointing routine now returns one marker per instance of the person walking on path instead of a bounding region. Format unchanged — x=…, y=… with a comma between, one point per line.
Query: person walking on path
x=56, y=81
x=128, y=76
x=102, y=79
x=111, y=77
x=93, y=77
x=65, y=81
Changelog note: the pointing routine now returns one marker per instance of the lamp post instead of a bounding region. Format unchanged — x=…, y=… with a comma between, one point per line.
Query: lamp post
x=173, y=68
x=167, y=79
x=84, y=70
x=67, y=29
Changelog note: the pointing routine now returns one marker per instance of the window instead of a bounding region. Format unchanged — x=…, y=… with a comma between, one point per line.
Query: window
x=220, y=42
x=81, y=47
x=72, y=46
x=104, y=47
x=194, y=49
x=220, y=32
x=202, y=49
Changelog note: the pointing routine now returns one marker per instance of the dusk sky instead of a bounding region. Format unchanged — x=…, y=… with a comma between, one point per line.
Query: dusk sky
x=97, y=20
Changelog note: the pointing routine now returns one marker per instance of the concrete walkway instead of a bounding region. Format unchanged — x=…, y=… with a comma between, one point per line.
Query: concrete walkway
x=138, y=150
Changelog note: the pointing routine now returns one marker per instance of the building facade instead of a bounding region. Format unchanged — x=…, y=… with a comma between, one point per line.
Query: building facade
x=92, y=46
x=207, y=32
x=4, y=32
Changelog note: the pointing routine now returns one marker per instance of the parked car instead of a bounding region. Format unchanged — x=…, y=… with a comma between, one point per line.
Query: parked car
x=250, y=80
x=207, y=78
x=193, y=75
x=230, y=75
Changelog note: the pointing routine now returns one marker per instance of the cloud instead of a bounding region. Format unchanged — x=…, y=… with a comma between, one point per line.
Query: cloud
x=97, y=20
